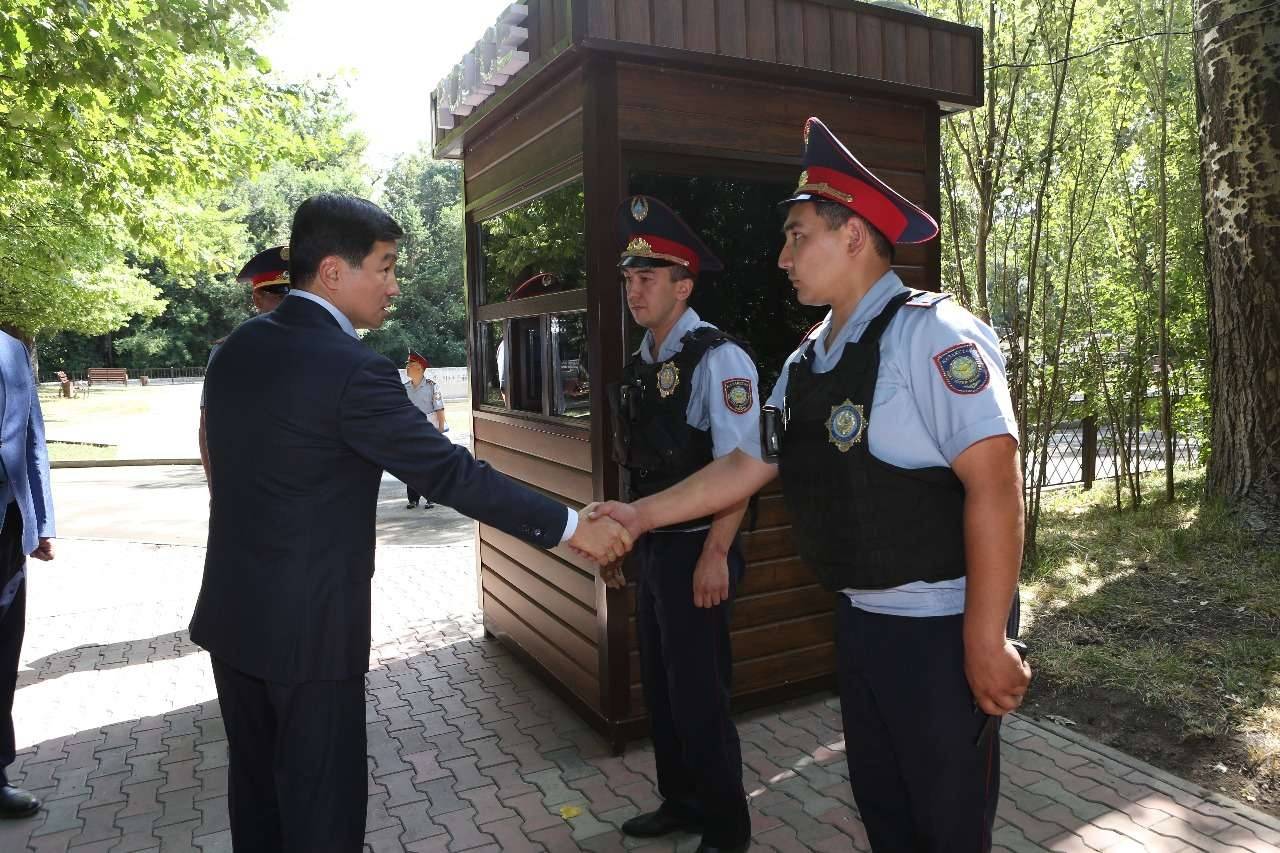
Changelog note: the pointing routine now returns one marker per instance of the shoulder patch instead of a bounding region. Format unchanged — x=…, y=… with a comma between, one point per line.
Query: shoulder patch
x=926, y=299
x=737, y=395
x=962, y=368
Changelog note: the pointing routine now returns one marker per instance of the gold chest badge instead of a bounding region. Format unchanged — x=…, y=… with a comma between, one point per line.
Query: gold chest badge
x=668, y=379
x=845, y=425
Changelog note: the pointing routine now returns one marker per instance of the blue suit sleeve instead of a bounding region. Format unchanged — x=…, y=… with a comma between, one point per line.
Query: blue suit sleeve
x=38, y=469
x=379, y=422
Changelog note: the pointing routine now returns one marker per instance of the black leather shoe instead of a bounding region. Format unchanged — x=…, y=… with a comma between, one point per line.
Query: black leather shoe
x=737, y=848
x=16, y=803
x=660, y=822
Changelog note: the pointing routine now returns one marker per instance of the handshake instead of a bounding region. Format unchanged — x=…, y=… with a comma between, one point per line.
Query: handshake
x=605, y=533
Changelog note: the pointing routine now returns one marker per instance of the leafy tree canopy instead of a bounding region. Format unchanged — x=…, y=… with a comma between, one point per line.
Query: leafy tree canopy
x=115, y=116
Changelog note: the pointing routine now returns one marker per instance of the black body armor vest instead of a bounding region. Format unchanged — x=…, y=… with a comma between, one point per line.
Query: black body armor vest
x=652, y=438
x=859, y=521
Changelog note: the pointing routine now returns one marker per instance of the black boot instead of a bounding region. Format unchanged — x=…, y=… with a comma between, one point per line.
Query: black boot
x=16, y=803
x=660, y=822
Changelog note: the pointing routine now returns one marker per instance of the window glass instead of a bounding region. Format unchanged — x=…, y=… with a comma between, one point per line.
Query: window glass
x=571, y=383
x=534, y=248
x=494, y=364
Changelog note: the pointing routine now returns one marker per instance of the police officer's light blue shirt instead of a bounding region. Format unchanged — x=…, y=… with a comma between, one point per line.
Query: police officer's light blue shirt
x=425, y=395
x=918, y=418
x=571, y=526
x=716, y=389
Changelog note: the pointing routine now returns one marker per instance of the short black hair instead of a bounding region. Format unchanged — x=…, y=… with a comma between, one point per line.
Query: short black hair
x=836, y=215
x=335, y=224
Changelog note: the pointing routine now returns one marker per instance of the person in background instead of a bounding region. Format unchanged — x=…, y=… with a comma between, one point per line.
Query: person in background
x=425, y=394
x=267, y=273
x=26, y=528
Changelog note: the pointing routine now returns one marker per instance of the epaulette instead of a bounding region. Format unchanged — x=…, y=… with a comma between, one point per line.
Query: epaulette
x=925, y=299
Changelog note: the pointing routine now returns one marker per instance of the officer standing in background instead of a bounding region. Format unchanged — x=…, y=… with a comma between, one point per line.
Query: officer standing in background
x=897, y=445
x=424, y=394
x=688, y=396
x=268, y=274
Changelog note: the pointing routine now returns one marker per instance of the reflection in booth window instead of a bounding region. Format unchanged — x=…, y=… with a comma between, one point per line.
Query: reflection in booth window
x=534, y=248
x=494, y=367
x=513, y=363
x=571, y=384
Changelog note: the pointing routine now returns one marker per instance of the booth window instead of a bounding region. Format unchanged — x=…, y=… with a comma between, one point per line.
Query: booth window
x=534, y=248
x=532, y=300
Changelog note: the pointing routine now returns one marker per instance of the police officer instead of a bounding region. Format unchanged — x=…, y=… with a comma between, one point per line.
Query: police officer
x=424, y=394
x=688, y=395
x=897, y=446
x=267, y=274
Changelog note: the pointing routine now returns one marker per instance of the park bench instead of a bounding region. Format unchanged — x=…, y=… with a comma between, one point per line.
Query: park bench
x=108, y=374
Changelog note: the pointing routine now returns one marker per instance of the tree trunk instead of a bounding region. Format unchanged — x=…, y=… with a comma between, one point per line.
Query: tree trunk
x=1238, y=75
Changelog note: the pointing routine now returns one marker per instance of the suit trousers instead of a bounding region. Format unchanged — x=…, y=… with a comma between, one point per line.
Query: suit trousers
x=297, y=775
x=686, y=666
x=921, y=779
x=12, y=627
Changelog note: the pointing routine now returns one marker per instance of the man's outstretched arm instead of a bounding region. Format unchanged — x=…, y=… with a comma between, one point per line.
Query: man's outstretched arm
x=726, y=481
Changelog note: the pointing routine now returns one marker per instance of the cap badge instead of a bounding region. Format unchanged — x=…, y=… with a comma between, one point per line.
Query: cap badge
x=639, y=208
x=668, y=379
x=845, y=425
x=639, y=246
x=284, y=253
x=804, y=176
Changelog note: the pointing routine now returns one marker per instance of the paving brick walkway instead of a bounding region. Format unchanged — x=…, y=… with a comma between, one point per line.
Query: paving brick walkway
x=121, y=736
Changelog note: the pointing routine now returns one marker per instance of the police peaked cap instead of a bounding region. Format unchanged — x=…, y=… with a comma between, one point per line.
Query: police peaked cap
x=654, y=235
x=832, y=173
x=268, y=267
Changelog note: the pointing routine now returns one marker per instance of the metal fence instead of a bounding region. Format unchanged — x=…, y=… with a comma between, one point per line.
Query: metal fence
x=163, y=375
x=1080, y=451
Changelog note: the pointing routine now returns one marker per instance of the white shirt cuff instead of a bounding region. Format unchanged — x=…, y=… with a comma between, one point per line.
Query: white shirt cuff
x=570, y=527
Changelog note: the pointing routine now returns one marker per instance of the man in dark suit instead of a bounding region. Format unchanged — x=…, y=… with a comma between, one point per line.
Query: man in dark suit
x=284, y=608
x=26, y=527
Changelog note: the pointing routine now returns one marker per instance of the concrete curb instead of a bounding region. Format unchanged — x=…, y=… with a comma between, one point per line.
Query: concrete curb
x=1063, y=733
x=119, y=463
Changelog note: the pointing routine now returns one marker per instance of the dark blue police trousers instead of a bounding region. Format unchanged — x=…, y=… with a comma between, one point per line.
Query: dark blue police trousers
x=686, y=664
x=921, y=779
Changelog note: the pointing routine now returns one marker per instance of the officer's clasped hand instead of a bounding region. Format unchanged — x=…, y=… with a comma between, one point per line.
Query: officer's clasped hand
x=601, y=540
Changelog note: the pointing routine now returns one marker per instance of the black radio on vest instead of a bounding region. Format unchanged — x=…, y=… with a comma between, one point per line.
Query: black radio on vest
x=652, y=437
x=859, y=521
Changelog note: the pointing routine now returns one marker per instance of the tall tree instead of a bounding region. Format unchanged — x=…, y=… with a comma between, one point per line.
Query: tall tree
x=114, y=116
x=1238, y=81
x=425, y=197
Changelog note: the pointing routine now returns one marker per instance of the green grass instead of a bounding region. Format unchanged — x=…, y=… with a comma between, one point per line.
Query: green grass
x=64, y=451
x=1168, y=606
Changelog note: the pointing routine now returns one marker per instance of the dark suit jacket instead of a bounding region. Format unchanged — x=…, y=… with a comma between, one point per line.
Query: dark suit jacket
x=302, y=420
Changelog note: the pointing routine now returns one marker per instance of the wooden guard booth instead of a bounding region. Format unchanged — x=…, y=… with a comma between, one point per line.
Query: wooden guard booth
x=700, y=103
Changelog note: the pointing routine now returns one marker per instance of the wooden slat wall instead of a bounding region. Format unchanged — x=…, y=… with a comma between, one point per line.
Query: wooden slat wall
x=544, y=601
x=539, y=138
x=818, y=34
x=712, y=114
